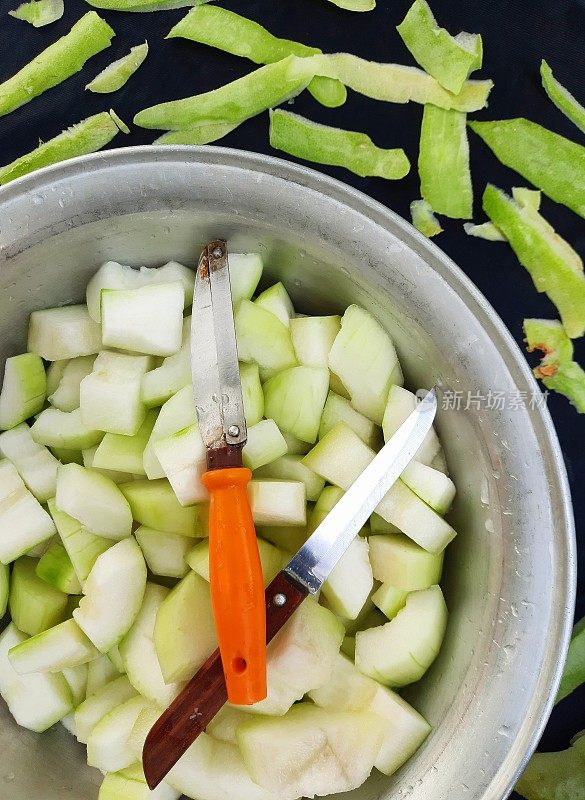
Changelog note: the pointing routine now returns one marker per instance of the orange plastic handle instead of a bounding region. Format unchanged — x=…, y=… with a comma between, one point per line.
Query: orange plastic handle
x=237, y=585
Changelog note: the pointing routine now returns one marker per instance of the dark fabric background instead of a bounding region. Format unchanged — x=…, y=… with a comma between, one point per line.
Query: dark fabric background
x=516, y=35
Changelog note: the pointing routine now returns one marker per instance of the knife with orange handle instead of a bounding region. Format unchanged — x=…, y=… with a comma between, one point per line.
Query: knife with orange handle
x=236, y=581
x=205, y=694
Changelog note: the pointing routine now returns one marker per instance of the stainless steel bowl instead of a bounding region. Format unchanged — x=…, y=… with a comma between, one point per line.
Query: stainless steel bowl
x=510, y=573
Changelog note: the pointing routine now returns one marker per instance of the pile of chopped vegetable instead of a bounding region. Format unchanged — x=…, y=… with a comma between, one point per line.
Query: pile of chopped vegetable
x=102, y=511
x=444, y=84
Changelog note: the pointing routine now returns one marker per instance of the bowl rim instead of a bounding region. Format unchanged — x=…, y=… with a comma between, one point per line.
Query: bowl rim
x=509, y=770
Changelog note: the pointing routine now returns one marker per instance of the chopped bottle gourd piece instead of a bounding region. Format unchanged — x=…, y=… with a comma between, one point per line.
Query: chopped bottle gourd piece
x=313, y=337
x=245, y=273
x=114, y=76
x=423, y=218
x=398, y=561
x=183, y=457
x=349, y=690
x=65, y=645
x=289, y=538
x=90, y=35
x=161, y=383
x=311, y=751
x=139, y=653
x=112, y=595
x=55, y=372
x=265, y=444
x=263, y=338
x=184, y=631
x=561, y=97
x=124, y=454
x=350, y=583
x=431, y=485
x=67, y=332
x=94, y=500
x=326, y=145
x=449, y=59
x=400, y=404
x=554, y=266
x=165, y=553
x=34, y=605
x=277, y=300
x=66, y=395
x=338, y=409
x=364, y=358
x=35, y=701
x=401, y=651
x=98, y=704
x=56, y=568
x=443, y=162
x=154, y=504
x=301, y=657
x=146, y=320
x=294, y=399
x=64, y=431
x=276, y=502
x=557, y=369
x=112, y=275
x=100, y=671
x=108, y=747
x=121, y=786
x=4, y=587
x=177, y=414
x=235, y=34
x=389, y=599
x=236, y=101
x=552, y=163
x=23, y=389
x=39, y=12
x=214, y=769
x=24, y=523
x=111, y=395
x=83, y=547
x=252, y=393
x=290, y=467
x=76, y=677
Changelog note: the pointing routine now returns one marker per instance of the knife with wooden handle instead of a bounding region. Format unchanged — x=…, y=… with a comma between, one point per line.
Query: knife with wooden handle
x=205, y=694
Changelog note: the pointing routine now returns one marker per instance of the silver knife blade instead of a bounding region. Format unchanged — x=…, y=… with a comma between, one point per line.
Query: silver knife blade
x=214, y=355
x=312, y=564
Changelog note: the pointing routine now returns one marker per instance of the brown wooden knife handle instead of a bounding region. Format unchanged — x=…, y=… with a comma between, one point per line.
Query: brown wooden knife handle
x=205, y=694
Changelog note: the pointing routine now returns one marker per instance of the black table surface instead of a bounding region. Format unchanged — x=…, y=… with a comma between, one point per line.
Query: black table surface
x=517, y=34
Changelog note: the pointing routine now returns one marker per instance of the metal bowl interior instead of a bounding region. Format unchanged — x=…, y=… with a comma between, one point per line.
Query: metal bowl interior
x=509, y=576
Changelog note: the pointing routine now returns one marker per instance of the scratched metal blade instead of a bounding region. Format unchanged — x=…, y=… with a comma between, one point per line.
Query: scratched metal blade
x=204, y=357
x=214, y=355
x=312, y=564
